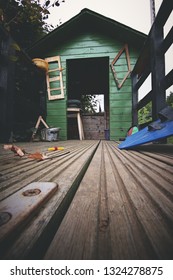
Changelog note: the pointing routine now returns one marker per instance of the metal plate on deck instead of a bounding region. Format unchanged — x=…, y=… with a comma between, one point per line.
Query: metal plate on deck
x=16, y=209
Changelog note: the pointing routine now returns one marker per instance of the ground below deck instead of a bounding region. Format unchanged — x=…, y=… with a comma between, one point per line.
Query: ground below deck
x=106, y=203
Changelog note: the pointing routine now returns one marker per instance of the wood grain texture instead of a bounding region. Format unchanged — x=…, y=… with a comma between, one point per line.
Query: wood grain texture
x=110, y=203
x=130, y=209
x=66, y=171
x=23, y=204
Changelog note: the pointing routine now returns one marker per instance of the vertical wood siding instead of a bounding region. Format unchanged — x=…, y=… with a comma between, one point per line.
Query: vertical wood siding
x=120, y=100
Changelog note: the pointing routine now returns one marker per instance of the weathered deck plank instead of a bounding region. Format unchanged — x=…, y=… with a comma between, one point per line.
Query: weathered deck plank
x=66, y=171
x=134, y=215
x=110, y=203
x=22, y=205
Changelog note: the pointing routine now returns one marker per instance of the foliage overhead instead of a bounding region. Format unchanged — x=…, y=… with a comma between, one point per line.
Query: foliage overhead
x=25, y=19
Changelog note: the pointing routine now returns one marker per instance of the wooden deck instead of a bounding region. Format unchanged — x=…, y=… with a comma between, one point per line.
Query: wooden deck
x=104, y=203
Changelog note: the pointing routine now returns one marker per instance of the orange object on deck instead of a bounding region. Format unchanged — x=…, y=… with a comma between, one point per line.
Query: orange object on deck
x=56, y=149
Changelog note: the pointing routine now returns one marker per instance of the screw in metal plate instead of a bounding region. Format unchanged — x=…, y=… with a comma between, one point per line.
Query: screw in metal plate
x=31, y=192
x=4, y=218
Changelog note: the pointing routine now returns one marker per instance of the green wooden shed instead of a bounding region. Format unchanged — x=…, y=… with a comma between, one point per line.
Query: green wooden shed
x=90, y=55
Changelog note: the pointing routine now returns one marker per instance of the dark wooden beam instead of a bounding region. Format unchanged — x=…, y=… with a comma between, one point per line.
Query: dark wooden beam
x=134, y=100
x=167, y=42
x=168, y=80
x=164, y=12
x=143, y=77
x=152, y=60
x=7, y=87
x=158, y=71
x=145, y=100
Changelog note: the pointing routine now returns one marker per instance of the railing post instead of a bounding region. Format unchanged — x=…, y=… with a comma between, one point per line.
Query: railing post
x=7, y=82
x=134, y=100
x=152, y=11
x=157, y=70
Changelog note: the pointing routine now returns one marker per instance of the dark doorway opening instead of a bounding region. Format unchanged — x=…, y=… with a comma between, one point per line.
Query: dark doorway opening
x=89, y=77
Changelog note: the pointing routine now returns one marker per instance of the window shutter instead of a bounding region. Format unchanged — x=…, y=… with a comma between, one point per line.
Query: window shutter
x=54, y=78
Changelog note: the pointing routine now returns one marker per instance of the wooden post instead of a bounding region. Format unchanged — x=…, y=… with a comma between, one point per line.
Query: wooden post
x=152, y=61
x=157, y=70
x=152, y=11
x=134, y=100
x=7, y=87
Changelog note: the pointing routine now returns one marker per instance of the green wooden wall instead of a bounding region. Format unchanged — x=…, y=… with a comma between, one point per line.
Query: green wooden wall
x=120, y=100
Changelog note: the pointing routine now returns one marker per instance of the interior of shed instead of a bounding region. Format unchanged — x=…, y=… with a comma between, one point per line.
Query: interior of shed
x=88, y=89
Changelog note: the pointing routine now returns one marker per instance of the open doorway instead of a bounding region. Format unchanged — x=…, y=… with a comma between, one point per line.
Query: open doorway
x=88, y=79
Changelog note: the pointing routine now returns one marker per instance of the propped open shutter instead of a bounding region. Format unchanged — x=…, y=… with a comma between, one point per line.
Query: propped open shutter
x=124, y=51
x=54, y=79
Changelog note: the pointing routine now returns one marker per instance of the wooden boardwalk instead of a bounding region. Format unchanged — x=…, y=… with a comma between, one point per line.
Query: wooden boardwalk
x=104, y=204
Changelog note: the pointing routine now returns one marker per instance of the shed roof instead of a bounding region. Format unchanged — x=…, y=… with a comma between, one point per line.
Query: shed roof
x=87, y=21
